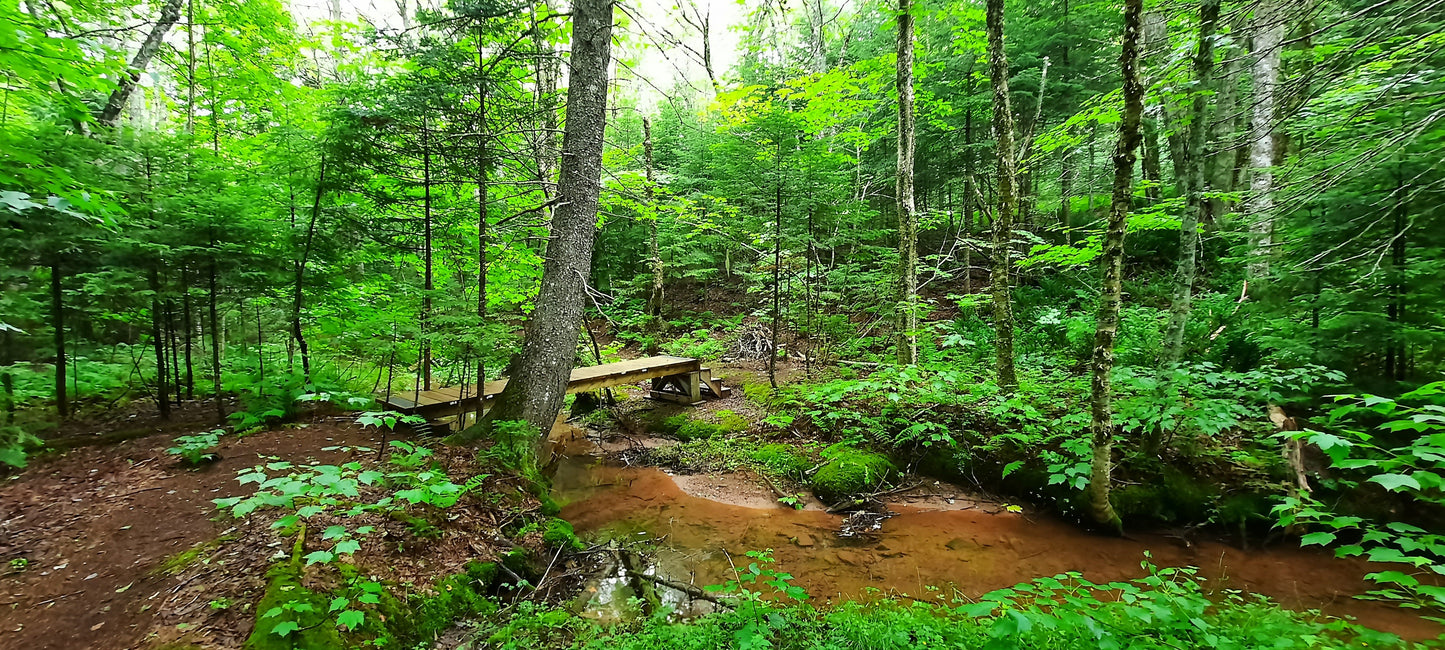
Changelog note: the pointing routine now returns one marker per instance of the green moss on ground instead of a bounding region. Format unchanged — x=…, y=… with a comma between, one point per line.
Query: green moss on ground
x=783, y=460
x=852, y=472
x=314, y=629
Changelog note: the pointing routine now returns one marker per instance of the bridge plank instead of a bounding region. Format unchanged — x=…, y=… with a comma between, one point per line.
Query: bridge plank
x=588, y=378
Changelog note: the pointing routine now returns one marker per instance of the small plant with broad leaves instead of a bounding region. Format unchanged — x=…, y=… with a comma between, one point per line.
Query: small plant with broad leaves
x=1395, y=445
x=759, y=621
x=336, y=490
x=199, y=448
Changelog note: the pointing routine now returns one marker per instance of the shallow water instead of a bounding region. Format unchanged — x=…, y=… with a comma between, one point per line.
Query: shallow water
x=971, y=550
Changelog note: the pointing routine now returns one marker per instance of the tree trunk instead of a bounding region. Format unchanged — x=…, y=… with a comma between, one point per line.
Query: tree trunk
x=173, y=345
x=1066, y=196
x=427, y=280
x=549, y=347
x=170, y=15
x=970, y=190
x=1003, y=128
x=216, y=339
x=483, y=198
x=57, y=314
x=298, y=293
x=158, y=338
x=188, y=326
x=1269, y=31
x=546, y=89
x=907, y=219
x=777, y=268
x=1197, y=207
x=1222, y=139
x=654, y=299
x=1153, y=174
x=1102, y=423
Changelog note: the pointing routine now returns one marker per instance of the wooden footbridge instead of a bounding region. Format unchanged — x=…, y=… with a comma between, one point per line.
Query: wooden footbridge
x=675, y=379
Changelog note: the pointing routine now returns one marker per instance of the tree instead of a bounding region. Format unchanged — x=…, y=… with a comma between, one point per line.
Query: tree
x=1003, y=131
x=907, y=220
x=1101, y=425
x=538, y=380
x=170, y=14
x=1268, y=28
x=1195, y=175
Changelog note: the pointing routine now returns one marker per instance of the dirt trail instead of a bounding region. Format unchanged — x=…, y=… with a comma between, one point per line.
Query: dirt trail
x=96, y=525
x=975, y=547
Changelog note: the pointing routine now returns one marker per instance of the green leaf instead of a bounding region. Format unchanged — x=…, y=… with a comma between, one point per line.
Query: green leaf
x=285, y=627
x=350, y=619
x=1317, y=538
x=338, y=603
x=321, y=557
x=1395, y=482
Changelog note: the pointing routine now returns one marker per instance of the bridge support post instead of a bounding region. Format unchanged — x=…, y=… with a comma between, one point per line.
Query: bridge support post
x=684, y=388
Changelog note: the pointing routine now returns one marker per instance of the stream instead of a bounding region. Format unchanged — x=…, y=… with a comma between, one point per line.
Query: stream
x=927, y=551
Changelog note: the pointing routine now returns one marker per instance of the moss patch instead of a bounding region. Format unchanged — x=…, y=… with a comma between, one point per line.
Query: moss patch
x=781, y=459
x=300, y=609
x=851, y=472
x=559, y=532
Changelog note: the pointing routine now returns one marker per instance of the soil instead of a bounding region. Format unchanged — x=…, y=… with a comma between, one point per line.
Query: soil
x=122, y=546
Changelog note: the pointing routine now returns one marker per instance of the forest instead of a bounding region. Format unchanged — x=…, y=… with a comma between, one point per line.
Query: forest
x=701, y=324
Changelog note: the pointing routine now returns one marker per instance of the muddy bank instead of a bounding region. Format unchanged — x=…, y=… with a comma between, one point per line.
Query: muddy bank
x=970, y=547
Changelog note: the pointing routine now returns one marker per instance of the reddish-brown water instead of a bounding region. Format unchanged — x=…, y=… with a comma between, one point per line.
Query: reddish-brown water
x=969, y=550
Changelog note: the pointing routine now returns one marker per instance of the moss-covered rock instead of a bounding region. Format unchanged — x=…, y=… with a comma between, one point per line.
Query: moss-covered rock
x=851, y=472
x=559, y=532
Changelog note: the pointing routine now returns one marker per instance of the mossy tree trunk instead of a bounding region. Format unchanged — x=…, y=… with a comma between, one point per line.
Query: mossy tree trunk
x=1003, y=130
x=1102, y=424
x=907, y=217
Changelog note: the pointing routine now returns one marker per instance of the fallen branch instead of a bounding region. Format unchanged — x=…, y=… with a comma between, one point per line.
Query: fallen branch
x=688, y=589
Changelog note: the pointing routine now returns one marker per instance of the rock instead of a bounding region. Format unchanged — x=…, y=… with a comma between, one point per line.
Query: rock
x=849, y=557
x=804, y=540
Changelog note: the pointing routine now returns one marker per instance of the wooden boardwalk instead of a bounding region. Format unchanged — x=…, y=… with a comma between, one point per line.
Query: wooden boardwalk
x=677, y=379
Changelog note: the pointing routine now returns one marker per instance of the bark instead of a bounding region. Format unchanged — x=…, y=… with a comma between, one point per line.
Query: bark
x=654, y=299
x=1222, y=133
x=57, y=314
x=549, y=347
x=546, y=150
x=483, y=198
x=969, y=190
x=298, y=294
x=1264, y=68
x=173, y=346
x=1003, y=128
x=907, y=218
x=215, y=346
x=1066, y=196
x=777, y=269
x=428, y=282
x=1196, y=209
x=1101, y=402
x=1153, y=174
x=158, y=338
x=187, y=326
x=169, y=16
